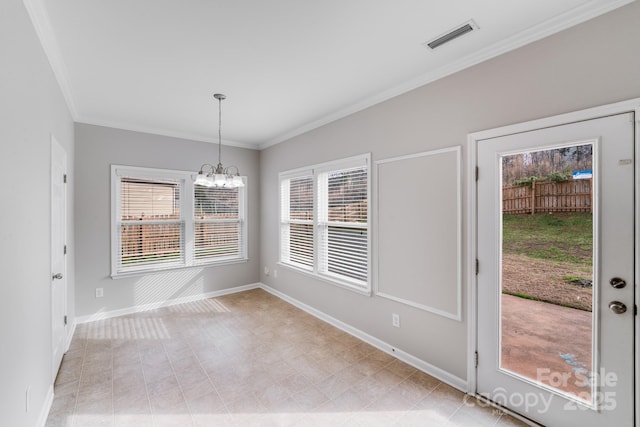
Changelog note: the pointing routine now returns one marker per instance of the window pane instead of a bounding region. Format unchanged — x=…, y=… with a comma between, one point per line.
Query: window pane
x=148, y=244
x=347, y=252
x=217, y=239
x=156, y=235
x=215, y=203
x=301, y=198
x=301, y=244
x=547, y=259
x=347, y=193
x=149, y=200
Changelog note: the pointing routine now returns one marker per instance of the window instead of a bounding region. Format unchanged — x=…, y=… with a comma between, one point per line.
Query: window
x=324, y=221
x=161, y=220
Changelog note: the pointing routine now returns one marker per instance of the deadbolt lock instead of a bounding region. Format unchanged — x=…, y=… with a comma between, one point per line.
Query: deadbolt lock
x=617, y=283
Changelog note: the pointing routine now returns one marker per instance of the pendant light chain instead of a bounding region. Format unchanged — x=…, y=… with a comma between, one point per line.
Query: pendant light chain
x=219, y=130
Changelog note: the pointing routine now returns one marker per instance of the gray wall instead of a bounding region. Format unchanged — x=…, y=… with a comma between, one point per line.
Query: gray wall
x=588, y=65
x=96, y=149
x=32, y=109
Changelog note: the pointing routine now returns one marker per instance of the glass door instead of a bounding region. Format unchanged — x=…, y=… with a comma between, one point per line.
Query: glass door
x=555, y=288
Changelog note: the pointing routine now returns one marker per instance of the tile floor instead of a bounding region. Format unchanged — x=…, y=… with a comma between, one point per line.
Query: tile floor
x=245, y=359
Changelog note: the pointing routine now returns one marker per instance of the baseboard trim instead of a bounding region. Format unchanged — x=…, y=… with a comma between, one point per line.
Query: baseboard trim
x=409, y=359
x=160, y=304
x=72, y=330
x=46, y=408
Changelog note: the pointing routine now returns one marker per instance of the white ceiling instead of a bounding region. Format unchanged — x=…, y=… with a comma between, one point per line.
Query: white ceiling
x=286, y=66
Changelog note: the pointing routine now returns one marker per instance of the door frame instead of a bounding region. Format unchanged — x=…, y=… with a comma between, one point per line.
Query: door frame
x=56, y=146
x=471, y=220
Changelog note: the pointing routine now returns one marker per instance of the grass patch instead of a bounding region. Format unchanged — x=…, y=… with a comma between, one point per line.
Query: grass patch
x=556, y=237
x=522, y=295
x=570, y=278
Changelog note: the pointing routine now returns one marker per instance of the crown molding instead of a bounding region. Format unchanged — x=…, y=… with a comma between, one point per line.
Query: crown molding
x=163, y=132
x=42, y=25
x=591, y=9
x=568, y=19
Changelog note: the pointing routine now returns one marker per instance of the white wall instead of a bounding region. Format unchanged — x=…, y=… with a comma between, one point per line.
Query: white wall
x=592, y=64
x=99, y=147
x=32, y=108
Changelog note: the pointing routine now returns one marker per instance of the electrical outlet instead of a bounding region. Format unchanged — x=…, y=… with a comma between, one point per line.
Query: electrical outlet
x=266, y=271
x=275, y=273
x=395, y=320
x=99, y=292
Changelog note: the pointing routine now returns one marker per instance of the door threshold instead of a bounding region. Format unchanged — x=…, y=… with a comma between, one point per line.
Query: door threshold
x=507, y=411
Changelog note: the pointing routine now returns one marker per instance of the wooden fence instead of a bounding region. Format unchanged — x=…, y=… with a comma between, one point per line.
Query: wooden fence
x=548, y=196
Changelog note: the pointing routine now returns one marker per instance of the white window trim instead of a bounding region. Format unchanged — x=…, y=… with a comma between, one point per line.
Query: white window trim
x=186, y=179
x=314, y=171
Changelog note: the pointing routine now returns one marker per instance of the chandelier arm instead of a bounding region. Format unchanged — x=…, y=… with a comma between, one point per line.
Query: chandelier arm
x=229, y=170
x=211, y=168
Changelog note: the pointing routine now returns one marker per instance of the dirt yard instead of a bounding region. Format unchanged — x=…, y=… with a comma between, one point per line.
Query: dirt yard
x=542, y=280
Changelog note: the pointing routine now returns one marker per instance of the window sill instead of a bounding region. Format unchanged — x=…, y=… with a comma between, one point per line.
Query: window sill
x=366, y=291
x=139, y=273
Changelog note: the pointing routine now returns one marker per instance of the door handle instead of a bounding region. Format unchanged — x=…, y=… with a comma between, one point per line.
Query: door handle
x=617, y=307
x=56, y=276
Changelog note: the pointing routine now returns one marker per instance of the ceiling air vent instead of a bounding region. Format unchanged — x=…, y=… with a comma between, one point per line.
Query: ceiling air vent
x=453, y=34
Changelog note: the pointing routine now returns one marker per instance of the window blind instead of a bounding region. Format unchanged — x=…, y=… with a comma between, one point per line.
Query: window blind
x=325, y=220
x=217, y=223
x=297, y=221
x=343, y=217
x=150, y=228
x=162, y=220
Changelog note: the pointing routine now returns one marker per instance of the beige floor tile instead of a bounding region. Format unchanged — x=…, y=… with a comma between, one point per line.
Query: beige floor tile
x=133, y=420
x=296, y=383
x=59, y=419
x=310, y=398
x=272, y=394
x=400, y=368
x=212, y=420
x=134, y=401
x=210, y=403
x=198, y=389
x=66, y=389
x=64, y=404
x=437, y=408
x=93, y=420
x=244, y=359
x=476, y=415
x=371, y=389
x=424, y=418
x=334, y=386
x=172, y=420
x=509, y=421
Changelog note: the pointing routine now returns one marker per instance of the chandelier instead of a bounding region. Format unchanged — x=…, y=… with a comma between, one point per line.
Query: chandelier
x=219, y=176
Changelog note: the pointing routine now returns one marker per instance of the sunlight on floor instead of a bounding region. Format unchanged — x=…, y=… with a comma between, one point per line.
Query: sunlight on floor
x=202, y=306
x=128, y=328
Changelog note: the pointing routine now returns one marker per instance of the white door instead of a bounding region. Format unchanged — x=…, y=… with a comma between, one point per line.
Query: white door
x=58, y=253
x=556, y=286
